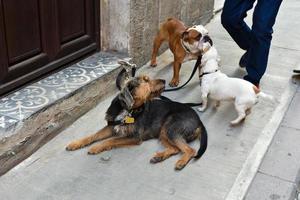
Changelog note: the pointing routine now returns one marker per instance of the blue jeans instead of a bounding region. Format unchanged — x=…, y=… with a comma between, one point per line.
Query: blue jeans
x=256, y=40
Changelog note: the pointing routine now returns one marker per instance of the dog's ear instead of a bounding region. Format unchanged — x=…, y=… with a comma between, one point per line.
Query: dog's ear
x=126, y=98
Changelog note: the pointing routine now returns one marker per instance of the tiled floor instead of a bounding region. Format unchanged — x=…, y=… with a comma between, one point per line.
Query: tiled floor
x=23, y=103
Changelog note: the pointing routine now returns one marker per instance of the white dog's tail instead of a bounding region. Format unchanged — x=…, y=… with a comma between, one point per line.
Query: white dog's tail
x=266, y=96
x=263, y=95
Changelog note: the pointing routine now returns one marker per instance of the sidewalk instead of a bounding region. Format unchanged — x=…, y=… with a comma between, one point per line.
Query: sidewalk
x=279, y=174
x=225, y=171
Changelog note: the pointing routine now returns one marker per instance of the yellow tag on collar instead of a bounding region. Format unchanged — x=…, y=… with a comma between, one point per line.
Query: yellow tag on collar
x=129, y=120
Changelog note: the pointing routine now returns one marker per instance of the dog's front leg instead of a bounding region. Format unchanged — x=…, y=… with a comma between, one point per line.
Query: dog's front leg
x=113, y=143
x=104, y=133
x=204, y=102
x=176, y=68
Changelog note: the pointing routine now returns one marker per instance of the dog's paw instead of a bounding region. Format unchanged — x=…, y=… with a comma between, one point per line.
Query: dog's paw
x=153, y=63
x=217, y=104
x=174, y=83
x=180, y=164
x=74, y=146
x=235, y=122
x=156, y=159
x=97, y=149
x=201, y=109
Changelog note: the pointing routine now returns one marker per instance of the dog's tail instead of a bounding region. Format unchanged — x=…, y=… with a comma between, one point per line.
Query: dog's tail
x=266, y=96
x=263, y=95
x=203, y=143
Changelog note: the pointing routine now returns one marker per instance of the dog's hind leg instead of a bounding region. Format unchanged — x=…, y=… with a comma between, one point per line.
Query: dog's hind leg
x=168, y=152
x=104, y=133
x=204, y=102
x=159, y=39
x=241, y=110
x=188, y=153
x=114, y=142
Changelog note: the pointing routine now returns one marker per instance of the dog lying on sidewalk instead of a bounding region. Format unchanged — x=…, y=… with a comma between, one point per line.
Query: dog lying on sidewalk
x=219, y=87
x=134, y=116
x=183, y=42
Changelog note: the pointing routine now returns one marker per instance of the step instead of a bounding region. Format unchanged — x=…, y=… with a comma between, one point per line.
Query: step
x=36, y=113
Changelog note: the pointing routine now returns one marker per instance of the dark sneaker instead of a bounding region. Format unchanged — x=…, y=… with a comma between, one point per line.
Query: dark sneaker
x=243, y=60
x=296, y=71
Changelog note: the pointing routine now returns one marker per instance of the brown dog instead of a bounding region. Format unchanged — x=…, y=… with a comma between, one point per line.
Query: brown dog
x=134, y=117
x=185, y=43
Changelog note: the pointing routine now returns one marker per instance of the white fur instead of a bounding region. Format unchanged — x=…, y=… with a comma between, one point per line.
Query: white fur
x=219, y=87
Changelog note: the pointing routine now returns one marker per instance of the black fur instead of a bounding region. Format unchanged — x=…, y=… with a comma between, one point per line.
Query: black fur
x=180, y=120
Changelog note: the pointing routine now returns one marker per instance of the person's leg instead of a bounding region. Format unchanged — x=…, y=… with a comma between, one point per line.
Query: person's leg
x=232, y=19
x=264, y=16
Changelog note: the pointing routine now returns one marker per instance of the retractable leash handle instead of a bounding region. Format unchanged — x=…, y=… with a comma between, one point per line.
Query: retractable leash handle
x=127, y=65
x=124, y=75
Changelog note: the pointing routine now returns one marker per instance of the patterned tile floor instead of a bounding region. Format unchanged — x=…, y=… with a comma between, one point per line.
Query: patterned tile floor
x=23, y=103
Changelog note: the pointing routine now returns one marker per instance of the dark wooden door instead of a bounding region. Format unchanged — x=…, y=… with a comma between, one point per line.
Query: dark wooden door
x=37, y=36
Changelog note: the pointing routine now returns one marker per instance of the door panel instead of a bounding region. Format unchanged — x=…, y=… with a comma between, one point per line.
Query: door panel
x=21, y=33
x=38, y=36
x=71, y=26
x=22, y=17
x=76, y=30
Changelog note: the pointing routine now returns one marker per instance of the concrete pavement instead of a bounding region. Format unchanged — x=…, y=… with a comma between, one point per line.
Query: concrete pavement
x=278, y=176
x=225, y=171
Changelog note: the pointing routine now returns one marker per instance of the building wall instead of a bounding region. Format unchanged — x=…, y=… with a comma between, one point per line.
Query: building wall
x=130, y=26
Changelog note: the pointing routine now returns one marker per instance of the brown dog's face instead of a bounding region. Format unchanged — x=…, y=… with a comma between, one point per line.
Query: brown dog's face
x=141, y=89
x=193, y=36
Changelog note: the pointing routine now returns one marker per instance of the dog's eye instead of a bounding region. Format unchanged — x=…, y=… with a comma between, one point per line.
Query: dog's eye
x=198, y=36
x=146, y=78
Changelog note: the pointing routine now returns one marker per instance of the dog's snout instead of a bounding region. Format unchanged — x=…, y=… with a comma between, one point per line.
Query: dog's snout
x=163, y=81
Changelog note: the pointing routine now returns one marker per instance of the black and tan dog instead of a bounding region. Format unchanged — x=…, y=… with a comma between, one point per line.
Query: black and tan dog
x=134, y=116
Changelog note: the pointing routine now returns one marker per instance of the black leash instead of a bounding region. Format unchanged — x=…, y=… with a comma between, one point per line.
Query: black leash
x=164, y=98
x=192, y=74
x=178, y=88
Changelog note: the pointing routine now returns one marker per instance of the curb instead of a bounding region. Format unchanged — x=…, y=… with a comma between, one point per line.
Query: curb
x=243, y=181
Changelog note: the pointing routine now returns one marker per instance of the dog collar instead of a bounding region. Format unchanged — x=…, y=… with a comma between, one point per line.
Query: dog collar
x=126, y=120
x=130, y=118
x=205, y=73
x=185, y=47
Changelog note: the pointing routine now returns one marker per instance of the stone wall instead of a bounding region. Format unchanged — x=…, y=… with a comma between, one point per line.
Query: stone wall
x=130, y=25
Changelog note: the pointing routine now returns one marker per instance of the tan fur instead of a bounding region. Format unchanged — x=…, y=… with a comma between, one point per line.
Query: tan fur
x=188, y=153
x=170, y=150
x=100, y=135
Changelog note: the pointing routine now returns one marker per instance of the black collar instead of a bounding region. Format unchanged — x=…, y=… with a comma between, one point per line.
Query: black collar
x=185, y=47
x=205, y=73
x=130, y=118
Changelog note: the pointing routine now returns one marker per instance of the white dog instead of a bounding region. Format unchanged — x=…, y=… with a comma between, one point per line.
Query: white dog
x=219, y=87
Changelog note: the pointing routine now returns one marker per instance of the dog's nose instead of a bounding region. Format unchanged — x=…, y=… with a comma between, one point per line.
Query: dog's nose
x=164, y=81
